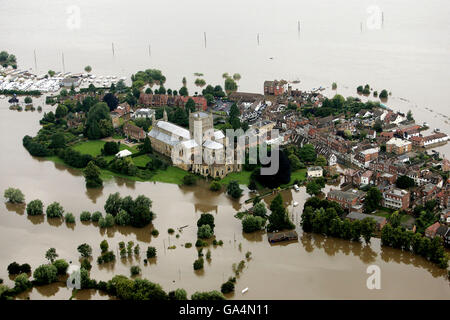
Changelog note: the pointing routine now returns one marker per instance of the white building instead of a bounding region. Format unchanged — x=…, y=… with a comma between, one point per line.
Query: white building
x=315, y=172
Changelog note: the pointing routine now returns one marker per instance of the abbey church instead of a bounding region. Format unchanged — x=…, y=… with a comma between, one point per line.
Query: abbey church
x=185, y=147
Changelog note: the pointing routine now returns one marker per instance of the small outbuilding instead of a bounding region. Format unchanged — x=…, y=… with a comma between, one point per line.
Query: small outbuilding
x=123, y=153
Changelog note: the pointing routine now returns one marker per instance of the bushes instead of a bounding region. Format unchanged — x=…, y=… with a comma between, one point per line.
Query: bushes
x=106, y=257
x=400, y=238
x=135, y=270
x=189, y=180
x=206, y=219
x=69, y=218
x=138, y=210
x=85, y=216
x=122, y=218
x=188, y=245
x=211, y=295
x=198, y=264
x=151, y=252
x=15, y=268
x=45, y=274
x=205, y=232
x=34, y=148
x=61, y=266
x=111, y=148
x=137, y=289
x=104, y=246
x=155, y=232
x=96, y=216
x=14, y=195
x=74, y=158
x=233, y=190
x=85, y=250
x=215, y=186
x=22, y=283
x=106, y=222
x=228, y=286
x=178, y=294
x=35, y=208
x=252, y=223
x=55, y=210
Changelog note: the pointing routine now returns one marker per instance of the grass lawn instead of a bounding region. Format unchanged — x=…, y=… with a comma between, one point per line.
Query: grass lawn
x=299, y=175
x=141, y=161
x=242, y=177
x=94, y=148
x=170, y=175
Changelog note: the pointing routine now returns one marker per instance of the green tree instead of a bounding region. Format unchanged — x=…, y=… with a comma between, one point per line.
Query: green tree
x=205, y=232
x=321, y=161
x=234, y=190
x=307, y=153
x=405, y=182
x=230, y=85
x=211, y=295
x=372, y=200
x=206, y=219
x=28, y=100
x=383, y=94
x=147, y=145
x=55, y=210
x=14, y=195
x=35, y=207
x=61, y=266
x=151, y=252
x=409, y=116
x=313, y=189
x=92, y=176
x=368, y=226
x=51, y=255
x=259, y=209
x=113, y=204
x=45, y=274
x=104, y=246
x=61, y=111
x=22, y=283
x=278, y=219
x=252, y=223
x=88, y=69
x=215, y=186
x=85, y=250
x=295, y=162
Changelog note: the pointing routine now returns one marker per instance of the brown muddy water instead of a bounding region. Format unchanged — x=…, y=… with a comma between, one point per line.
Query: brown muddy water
x=312, y=268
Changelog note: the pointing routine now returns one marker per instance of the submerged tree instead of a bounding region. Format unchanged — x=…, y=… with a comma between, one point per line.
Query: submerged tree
x=92, y=176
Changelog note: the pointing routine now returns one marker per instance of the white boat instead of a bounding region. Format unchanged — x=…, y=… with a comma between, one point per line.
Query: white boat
x=245, y=290
x=295, y=203
x=296, y=187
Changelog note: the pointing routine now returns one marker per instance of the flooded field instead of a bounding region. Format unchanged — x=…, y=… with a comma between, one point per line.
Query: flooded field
x=312, y=268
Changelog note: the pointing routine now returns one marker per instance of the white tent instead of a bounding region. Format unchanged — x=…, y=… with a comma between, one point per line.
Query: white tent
x=123, y=153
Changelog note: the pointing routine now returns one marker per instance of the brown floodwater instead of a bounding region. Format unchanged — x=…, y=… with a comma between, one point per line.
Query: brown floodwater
x=315, y=267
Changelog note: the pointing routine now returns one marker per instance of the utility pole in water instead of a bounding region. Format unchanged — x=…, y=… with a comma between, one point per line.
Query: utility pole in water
x=257, y=39
x=112, y=46
x=382, y=19
x=63, y=64
x=35, y=61
x=360, y=27
x=298, y=28
x=204, y=36
x=149, y=51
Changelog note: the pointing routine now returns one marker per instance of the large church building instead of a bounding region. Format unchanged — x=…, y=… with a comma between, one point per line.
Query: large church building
x=187, y=148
